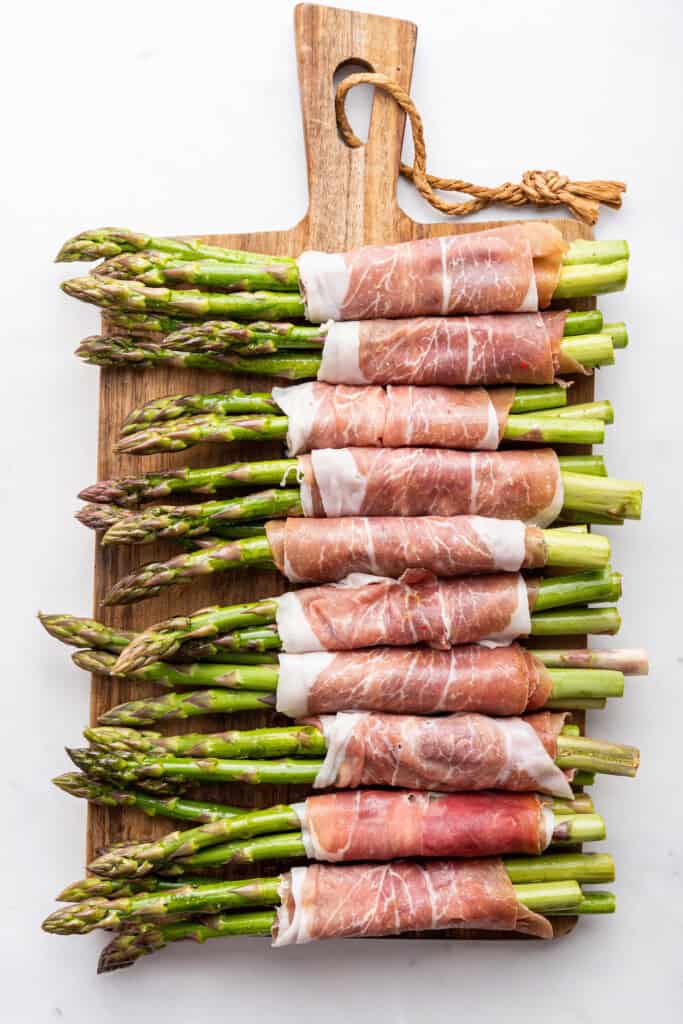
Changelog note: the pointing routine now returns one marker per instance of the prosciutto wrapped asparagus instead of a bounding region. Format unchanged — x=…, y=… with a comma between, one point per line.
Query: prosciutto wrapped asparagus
x=573, y=820
x=369, y=611
x=510, y=269
x=341, y=901
x=535, y=486
x=365, y=825
x=522, y=348
x=453, y=753
x=328, y=550
x=418, y=680
x=329, y=416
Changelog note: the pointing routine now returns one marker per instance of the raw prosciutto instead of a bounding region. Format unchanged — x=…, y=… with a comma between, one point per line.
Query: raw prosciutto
x=509, y=269
x=524, y=485
x=522, y=348
x=454, y=753
x=376, y=824
x=321, y=550
x=328, y=416
x=419, y=608
x=325, y=901
x=417, y=681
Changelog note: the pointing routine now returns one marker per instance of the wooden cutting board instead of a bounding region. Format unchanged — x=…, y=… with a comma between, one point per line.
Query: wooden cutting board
x=352, y=201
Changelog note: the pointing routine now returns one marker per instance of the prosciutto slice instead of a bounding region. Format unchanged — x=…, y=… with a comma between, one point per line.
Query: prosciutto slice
x=320, y=550
x=376, y=824
x=522, y=348
x=417, y=681
x=510, y=269
x=455, y=753
x=524, y=485
x=419, y=608
x=327, y=416
x=325, y=901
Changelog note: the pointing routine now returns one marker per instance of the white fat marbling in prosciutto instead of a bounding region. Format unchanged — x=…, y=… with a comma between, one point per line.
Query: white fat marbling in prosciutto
x=453, y=753
x=522, y=348
x=326, y=550
x=329, y=901
x=525, y=485
x=338, y=416
x=419, y=608
x=413, y=680
x=509, y=269
x=383, y=825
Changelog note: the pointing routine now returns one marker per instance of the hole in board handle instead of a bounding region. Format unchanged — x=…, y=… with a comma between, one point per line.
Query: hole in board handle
x=359, y=100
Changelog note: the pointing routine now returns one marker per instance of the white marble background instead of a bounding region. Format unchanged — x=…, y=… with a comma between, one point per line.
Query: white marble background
x=184, y=118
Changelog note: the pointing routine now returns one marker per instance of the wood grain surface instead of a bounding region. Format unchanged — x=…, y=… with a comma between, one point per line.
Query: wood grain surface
x=352, y=201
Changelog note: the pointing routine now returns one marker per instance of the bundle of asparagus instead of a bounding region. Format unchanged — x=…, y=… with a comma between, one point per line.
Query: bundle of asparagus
x=297, y=754
x=488, y=681
x=298, y=352
x=327, y=416
x=330, y=550
x=443, y=894
x=257, y=626
x=140, y=273
x=198, y=812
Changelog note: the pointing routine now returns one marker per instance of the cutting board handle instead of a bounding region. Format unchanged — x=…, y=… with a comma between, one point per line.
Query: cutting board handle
x=352, y=192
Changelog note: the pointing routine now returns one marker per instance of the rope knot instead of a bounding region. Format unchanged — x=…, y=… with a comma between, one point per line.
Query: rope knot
x=543, y=188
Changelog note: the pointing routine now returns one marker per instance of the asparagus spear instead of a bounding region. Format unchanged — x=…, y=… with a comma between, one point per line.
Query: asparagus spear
x=106, y=242
x=132, y=491
x=86, y=633
x=90, y=763
x=105, y=795
x=79, y=632
x=155, y=327
x=132, y=943
x=142, y=858
x=132, y=353
x=187, y=705
x=240, y=403
x=237, y=677
x=83, y=917
x=159, y=269
x=161, y=641
x=93, y=887
x=629, y=662
x=277, y=741
x=223, y=336
x=192, y=304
